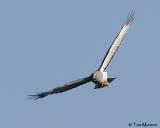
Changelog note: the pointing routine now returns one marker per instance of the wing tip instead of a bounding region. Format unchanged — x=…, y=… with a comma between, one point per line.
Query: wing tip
x=33, y=97
x=37, y=96
x=130, y=17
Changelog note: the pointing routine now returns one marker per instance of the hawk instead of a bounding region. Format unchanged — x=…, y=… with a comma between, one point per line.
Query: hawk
x=99, y=77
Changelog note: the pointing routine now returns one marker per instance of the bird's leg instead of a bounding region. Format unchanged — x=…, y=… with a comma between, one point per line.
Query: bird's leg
x=104, y=83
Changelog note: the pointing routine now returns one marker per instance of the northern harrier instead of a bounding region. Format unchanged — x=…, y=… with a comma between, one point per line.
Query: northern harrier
x=100, y=77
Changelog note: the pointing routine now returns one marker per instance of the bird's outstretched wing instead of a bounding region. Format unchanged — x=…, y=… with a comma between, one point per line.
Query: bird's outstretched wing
x=116, y=43
x=63, y=88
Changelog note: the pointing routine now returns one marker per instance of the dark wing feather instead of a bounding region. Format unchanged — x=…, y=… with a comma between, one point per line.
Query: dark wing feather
x=61, y=89
x=116, y=43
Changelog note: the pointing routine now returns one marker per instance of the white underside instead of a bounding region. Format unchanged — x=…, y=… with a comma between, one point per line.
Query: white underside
x=100, y=76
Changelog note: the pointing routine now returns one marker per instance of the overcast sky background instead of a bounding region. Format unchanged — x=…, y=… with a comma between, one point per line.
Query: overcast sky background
x=44, y=44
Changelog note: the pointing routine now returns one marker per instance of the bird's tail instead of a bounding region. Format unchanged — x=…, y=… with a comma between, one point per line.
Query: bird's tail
x=110, y=79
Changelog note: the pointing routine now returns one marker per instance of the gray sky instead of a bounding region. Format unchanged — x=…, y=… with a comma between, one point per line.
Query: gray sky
x=44, y=44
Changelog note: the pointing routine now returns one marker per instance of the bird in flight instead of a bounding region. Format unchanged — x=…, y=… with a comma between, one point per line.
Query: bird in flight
x=99, y=77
